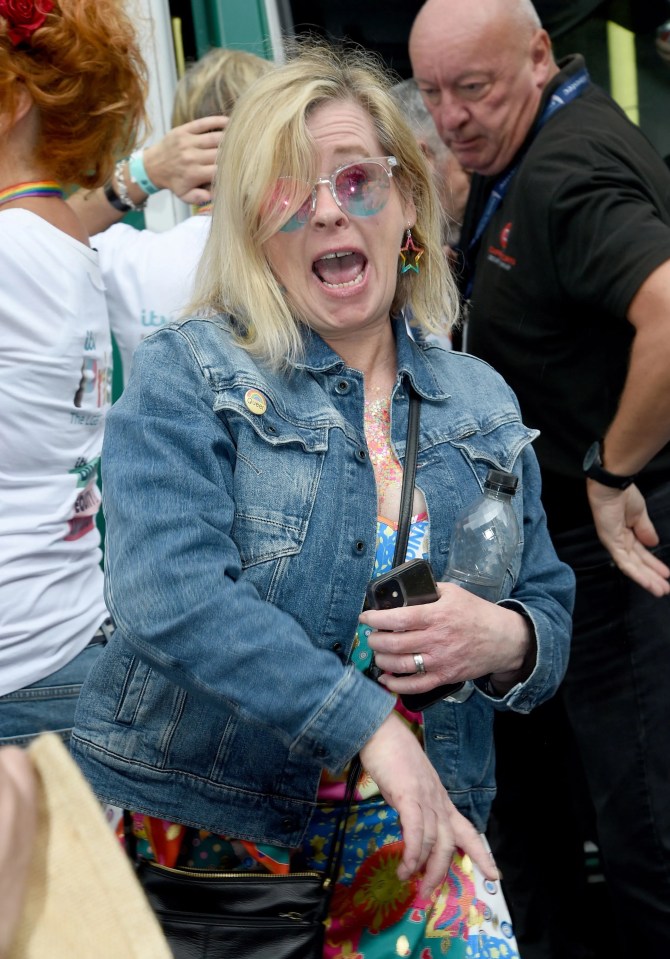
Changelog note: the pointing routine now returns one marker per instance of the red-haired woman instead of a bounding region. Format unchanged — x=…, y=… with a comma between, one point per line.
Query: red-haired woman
x=72, y=88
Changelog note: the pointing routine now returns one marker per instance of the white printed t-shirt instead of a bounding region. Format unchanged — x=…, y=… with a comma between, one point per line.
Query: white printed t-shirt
x=55, y=388
x=148, y=277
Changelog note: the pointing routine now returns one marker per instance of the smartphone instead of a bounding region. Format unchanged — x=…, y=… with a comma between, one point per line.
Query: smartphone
x=409, y=584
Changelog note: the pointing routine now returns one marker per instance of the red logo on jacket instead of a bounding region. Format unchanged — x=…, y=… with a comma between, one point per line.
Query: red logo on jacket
x=498, y=254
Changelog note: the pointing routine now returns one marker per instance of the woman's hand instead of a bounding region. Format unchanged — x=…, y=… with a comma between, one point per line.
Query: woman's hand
x=184, y=161
x=432, y=827
x=459, y=637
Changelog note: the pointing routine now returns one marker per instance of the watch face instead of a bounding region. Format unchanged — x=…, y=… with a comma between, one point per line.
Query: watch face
x=594, y=469
x=592, y=456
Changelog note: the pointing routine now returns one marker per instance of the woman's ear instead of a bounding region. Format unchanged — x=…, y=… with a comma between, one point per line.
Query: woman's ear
x=20, y=106
x=23, y=102
x=410, y=213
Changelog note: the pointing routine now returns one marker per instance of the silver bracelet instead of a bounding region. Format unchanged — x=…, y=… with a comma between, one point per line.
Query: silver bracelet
x=123, y=189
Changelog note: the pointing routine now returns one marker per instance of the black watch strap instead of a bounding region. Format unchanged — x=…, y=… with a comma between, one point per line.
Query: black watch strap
x=114, y=198
x=594, y=469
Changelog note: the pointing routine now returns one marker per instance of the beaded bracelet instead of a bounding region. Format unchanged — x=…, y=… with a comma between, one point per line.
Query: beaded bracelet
x=123, y=189
x=138, y=173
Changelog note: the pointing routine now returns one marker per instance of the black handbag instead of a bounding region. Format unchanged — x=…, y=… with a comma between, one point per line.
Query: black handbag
x=238, y=915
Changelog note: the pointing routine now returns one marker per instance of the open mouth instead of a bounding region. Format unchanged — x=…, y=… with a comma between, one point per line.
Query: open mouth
x=340, y=270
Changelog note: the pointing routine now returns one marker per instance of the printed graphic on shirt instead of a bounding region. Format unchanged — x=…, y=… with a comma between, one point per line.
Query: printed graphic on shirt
x=95, y=384
x=92, y=399
x=87, y=503
x=497, y=254
x=152, y=319
x=504, y=235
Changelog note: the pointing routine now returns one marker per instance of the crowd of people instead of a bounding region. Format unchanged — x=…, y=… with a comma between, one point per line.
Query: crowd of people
x=219, y=686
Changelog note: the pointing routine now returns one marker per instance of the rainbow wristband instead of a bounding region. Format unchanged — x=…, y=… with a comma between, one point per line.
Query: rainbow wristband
x=138, y=174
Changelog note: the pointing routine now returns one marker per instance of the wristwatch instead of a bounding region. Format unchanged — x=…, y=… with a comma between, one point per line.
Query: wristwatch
x=594, y=469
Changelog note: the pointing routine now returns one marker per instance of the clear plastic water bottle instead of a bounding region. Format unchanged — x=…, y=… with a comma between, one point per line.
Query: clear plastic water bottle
x=485, y=537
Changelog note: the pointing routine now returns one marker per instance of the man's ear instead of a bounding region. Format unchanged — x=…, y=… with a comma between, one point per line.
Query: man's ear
x=542, y=57
x=425, y=149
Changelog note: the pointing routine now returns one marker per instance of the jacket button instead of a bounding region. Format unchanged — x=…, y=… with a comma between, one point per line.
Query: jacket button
x=336, y=647
x=359, y=546
x=361, y=455
x=342, y=387
x=287, y=824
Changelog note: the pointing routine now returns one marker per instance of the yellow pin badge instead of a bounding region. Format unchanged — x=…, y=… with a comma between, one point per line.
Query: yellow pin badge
x=255, y=402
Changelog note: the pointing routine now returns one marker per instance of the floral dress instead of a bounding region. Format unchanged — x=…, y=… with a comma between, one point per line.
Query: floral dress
x=373, y=914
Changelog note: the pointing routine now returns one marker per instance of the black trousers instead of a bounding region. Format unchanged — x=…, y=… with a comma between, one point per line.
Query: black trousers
x=609, y=728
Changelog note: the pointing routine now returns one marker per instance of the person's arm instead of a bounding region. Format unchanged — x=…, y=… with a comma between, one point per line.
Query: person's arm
x=639, y=430
x=459, y=637
x=432, y=827
x=520, y=644
x=18, y=818
x=184, y=161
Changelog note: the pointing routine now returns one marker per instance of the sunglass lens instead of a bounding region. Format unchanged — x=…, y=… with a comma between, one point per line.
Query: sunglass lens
x=362, y=188
x=287, y=192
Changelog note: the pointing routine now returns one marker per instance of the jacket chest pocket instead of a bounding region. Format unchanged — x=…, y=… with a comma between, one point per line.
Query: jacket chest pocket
x=497, y=447
x=275, y=481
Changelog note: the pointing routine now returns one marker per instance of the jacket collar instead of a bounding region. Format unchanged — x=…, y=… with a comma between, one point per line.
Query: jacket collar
x=414, y=362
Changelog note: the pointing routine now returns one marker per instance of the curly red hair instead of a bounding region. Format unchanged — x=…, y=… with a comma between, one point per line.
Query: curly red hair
x=84, y=71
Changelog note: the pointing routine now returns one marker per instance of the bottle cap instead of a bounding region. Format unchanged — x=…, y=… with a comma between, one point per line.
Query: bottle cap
x=501, y=482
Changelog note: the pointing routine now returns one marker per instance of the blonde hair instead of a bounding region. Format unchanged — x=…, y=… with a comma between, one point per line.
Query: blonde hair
x=268, y=138
x=214, y=83
x=85, y=74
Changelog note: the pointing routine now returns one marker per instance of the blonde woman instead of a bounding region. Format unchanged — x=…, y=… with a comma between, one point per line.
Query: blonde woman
x=253, y=471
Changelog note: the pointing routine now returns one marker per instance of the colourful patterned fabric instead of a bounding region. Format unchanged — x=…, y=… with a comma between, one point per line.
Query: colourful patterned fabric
x=374, y=915
x=416, y=549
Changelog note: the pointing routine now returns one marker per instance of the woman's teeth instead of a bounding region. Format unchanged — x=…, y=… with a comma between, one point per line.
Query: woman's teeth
x=336, y=286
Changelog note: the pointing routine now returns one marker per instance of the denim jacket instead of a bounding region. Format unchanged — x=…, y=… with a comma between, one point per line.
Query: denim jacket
x=241, y=513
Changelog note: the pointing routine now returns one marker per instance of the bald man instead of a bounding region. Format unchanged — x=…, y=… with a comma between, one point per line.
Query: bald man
x=566, y=249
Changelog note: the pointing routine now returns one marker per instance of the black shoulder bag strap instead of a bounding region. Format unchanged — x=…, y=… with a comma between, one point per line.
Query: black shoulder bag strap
x=399, y=554
x=408, y=476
